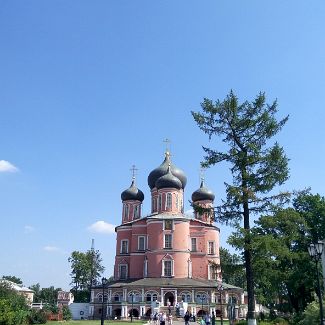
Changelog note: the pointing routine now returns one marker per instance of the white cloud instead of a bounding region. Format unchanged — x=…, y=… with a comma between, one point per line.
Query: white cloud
x=51, y=248
x=28, y=229
x=102, y=227
x=7, y=167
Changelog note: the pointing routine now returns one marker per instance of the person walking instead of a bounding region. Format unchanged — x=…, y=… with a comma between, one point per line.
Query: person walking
x=187, y=318
x=207, y=319
x=213, y=319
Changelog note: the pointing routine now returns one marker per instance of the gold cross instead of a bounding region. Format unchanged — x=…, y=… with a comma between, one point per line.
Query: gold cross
x=133, y=169
x=167, y=141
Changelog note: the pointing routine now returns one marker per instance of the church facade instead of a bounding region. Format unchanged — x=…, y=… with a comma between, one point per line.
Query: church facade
x=167, y=259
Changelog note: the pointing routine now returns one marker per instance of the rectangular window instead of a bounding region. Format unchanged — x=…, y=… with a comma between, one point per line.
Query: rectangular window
x=168, y=225
x=169, y=201
x=126, y=212
x=211, y=248
x=193, y=244
x=168, y=268
x=213, y=274
x=159, y=202
x=123, y=271
x=168, y=241
x=136, y=212
x=141, y=243
x=124, y=246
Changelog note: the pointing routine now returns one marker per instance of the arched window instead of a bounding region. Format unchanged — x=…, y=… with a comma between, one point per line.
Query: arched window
x=167, y=266
x=186, y=297
x=176, y=201
x=151, y=296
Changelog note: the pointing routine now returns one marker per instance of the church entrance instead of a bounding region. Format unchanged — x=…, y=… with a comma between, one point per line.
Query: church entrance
x=169, y=299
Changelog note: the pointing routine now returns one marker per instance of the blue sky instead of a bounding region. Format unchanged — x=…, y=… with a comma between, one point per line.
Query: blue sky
x=89, y=88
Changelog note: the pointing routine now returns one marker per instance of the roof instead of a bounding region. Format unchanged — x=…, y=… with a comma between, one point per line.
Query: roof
x=171, y=282
x=174, y=216
x=15, y=286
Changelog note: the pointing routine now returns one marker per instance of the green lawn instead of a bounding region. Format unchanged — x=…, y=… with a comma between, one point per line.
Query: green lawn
x=110, y=322
x=93, y=322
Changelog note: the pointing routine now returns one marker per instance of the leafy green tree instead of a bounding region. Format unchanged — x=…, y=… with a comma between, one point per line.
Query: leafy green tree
x=37, y=292
x=233, y=269
x=66, y=313
x=13, y=279
x=311, y=315
x=13, y=306
x=280, y=257
x=312, y=208
x=86, y=269
x=256, y=167
x=49, y=295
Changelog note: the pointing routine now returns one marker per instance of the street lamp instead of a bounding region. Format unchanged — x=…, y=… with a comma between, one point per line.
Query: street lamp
x=131, y=294
x=231, y=310
x=316, y=251
x=220, y=288
x=104, y=282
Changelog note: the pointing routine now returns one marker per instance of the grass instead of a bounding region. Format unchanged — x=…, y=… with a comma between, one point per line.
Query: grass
x=93, y=322
x=110, y=322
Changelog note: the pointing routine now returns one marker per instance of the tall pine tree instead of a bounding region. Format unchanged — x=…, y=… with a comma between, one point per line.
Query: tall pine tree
x=256, y=166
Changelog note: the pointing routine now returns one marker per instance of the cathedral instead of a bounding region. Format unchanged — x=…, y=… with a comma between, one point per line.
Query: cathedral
x=168, y=260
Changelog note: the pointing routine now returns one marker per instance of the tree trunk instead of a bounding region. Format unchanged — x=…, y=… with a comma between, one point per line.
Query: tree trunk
x=249, y=272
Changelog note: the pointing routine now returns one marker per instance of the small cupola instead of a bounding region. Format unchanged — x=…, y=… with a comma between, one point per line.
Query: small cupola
x=203, y=193
x=132, y=199
x=132, y=193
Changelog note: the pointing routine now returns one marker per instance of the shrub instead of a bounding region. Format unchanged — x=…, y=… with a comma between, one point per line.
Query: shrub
x=66, y=313
x=310, y=316
x=37, y=317
x=13, y=306
x=280, y=321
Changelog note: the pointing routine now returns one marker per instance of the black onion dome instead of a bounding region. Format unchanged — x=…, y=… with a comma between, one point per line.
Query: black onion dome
x=132, y=193
x=202, y=194
x=168, y=181
x=162, y=170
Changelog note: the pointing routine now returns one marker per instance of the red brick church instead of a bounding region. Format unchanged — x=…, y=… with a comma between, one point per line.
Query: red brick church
x=168, y=258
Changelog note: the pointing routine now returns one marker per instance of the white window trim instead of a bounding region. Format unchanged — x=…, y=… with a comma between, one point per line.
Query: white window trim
x=171, y=241
x=144, y=243
x=169, y=195
x=127, y=246
x=210, y=272
x=136, y=211
x=119, y=271
x=192, y=245
x=214, y=247
x=126, y=211
x=163, y=267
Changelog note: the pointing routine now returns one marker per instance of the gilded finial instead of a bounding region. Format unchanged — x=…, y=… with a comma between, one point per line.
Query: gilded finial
x=167, y=142
x=133, y=170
